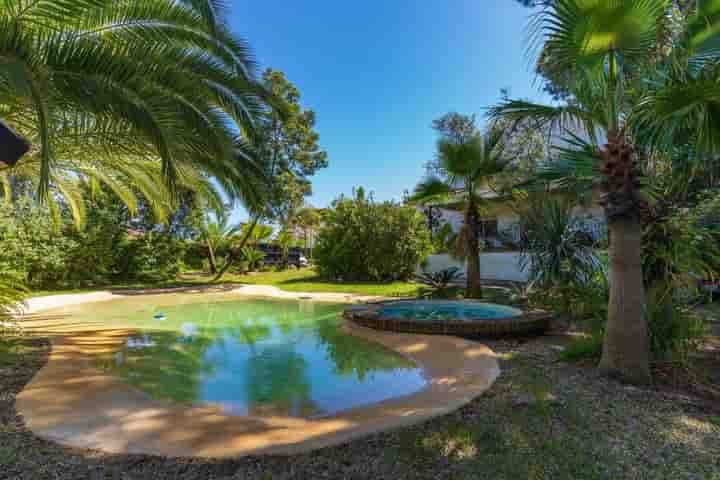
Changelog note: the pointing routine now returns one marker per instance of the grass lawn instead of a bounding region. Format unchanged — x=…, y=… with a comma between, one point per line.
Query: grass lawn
x=304, y=280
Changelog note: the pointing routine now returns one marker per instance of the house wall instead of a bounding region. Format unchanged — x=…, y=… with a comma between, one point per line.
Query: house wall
x=506, y=265
x=593, y=217
x=493, y=265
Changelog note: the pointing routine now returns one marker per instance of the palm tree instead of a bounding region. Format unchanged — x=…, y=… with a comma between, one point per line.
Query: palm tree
x=469, y=165
x=218, y=233
x=128, y=178
x=160, y=80
x=251, y=234
x=252, y=256
x=637, y=85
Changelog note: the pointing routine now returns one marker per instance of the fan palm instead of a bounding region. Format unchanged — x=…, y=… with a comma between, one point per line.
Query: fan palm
x=153, y=80
x=469, y=166
x=639, y=86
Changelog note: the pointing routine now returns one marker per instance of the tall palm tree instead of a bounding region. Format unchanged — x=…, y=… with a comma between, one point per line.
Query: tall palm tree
x=469, y=165
x=637, y=84
x=147, y=79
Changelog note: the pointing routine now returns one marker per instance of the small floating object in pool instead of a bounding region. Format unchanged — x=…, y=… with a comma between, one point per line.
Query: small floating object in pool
x=160, y=316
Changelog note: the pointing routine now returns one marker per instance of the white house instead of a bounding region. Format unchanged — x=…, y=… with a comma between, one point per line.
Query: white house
x=501, y=259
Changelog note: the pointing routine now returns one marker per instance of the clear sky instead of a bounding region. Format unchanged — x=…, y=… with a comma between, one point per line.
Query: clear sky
x=377, y=72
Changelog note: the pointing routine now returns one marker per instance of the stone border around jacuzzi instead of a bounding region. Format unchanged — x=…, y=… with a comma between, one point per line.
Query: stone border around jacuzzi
x=528, y=323
x=71, y=402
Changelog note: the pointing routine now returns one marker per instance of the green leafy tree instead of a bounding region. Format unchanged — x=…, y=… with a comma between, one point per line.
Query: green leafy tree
x=286, y=145
x=308, y=220
x=637, y=87
x=98, y=254
x=469, y=162
x=288, y=141
x=33, y=247
x=368, y=241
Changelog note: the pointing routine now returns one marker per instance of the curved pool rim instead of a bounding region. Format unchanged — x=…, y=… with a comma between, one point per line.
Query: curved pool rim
x=511, y=321
x=71, y=402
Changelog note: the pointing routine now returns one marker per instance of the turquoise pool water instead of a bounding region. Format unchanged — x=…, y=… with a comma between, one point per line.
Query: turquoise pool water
x=251, y=357
x=446, y=310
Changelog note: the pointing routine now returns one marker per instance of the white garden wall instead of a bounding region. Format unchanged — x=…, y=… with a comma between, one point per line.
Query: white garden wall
x=493, y=265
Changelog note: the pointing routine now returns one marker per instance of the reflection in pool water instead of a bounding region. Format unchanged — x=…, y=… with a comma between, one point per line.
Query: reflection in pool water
x=259, y=357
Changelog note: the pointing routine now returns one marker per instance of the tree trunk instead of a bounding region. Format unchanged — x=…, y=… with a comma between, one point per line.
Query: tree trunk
x=211, y=257
x=625, y=350
x=233, y=252
x=474, y=287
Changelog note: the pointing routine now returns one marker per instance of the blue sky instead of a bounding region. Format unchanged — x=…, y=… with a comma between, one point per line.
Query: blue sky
x=377, y=72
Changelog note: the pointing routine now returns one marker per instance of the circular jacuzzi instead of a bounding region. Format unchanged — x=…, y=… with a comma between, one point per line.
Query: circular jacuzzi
x=448, y=317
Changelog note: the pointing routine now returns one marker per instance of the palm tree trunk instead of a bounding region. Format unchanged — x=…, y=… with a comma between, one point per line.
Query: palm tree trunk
x=211, y=256
x=625, y=350
x=474, y=287
x=234, y=252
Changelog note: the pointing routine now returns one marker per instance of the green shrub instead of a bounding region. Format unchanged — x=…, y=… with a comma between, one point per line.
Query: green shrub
x=153, y=257
x=196, y=257
x=97, y=257
x=672, y=330
x=588, y=347
x=368, y=241
x=440, y=282
x=31, y=246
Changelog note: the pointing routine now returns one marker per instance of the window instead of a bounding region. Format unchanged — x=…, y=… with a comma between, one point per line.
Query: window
x=488, y=227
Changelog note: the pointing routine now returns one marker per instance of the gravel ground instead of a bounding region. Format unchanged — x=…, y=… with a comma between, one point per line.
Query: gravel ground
x=542, y=419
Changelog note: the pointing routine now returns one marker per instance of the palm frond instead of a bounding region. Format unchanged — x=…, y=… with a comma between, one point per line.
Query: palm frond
x=679, y=111
x=71, y=72
x=431, y=190
x=592, y=35
x=543, y=117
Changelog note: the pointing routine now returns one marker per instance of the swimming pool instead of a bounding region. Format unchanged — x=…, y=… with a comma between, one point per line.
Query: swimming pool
x=257, y=357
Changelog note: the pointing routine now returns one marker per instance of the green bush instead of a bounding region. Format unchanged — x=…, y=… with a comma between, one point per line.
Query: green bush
x=153, y=257
x=32, y=247
x=440, y=283
x=672, y=329
x=196, y=257
x=368, y=241
x=589, y=347
x=98, y=254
